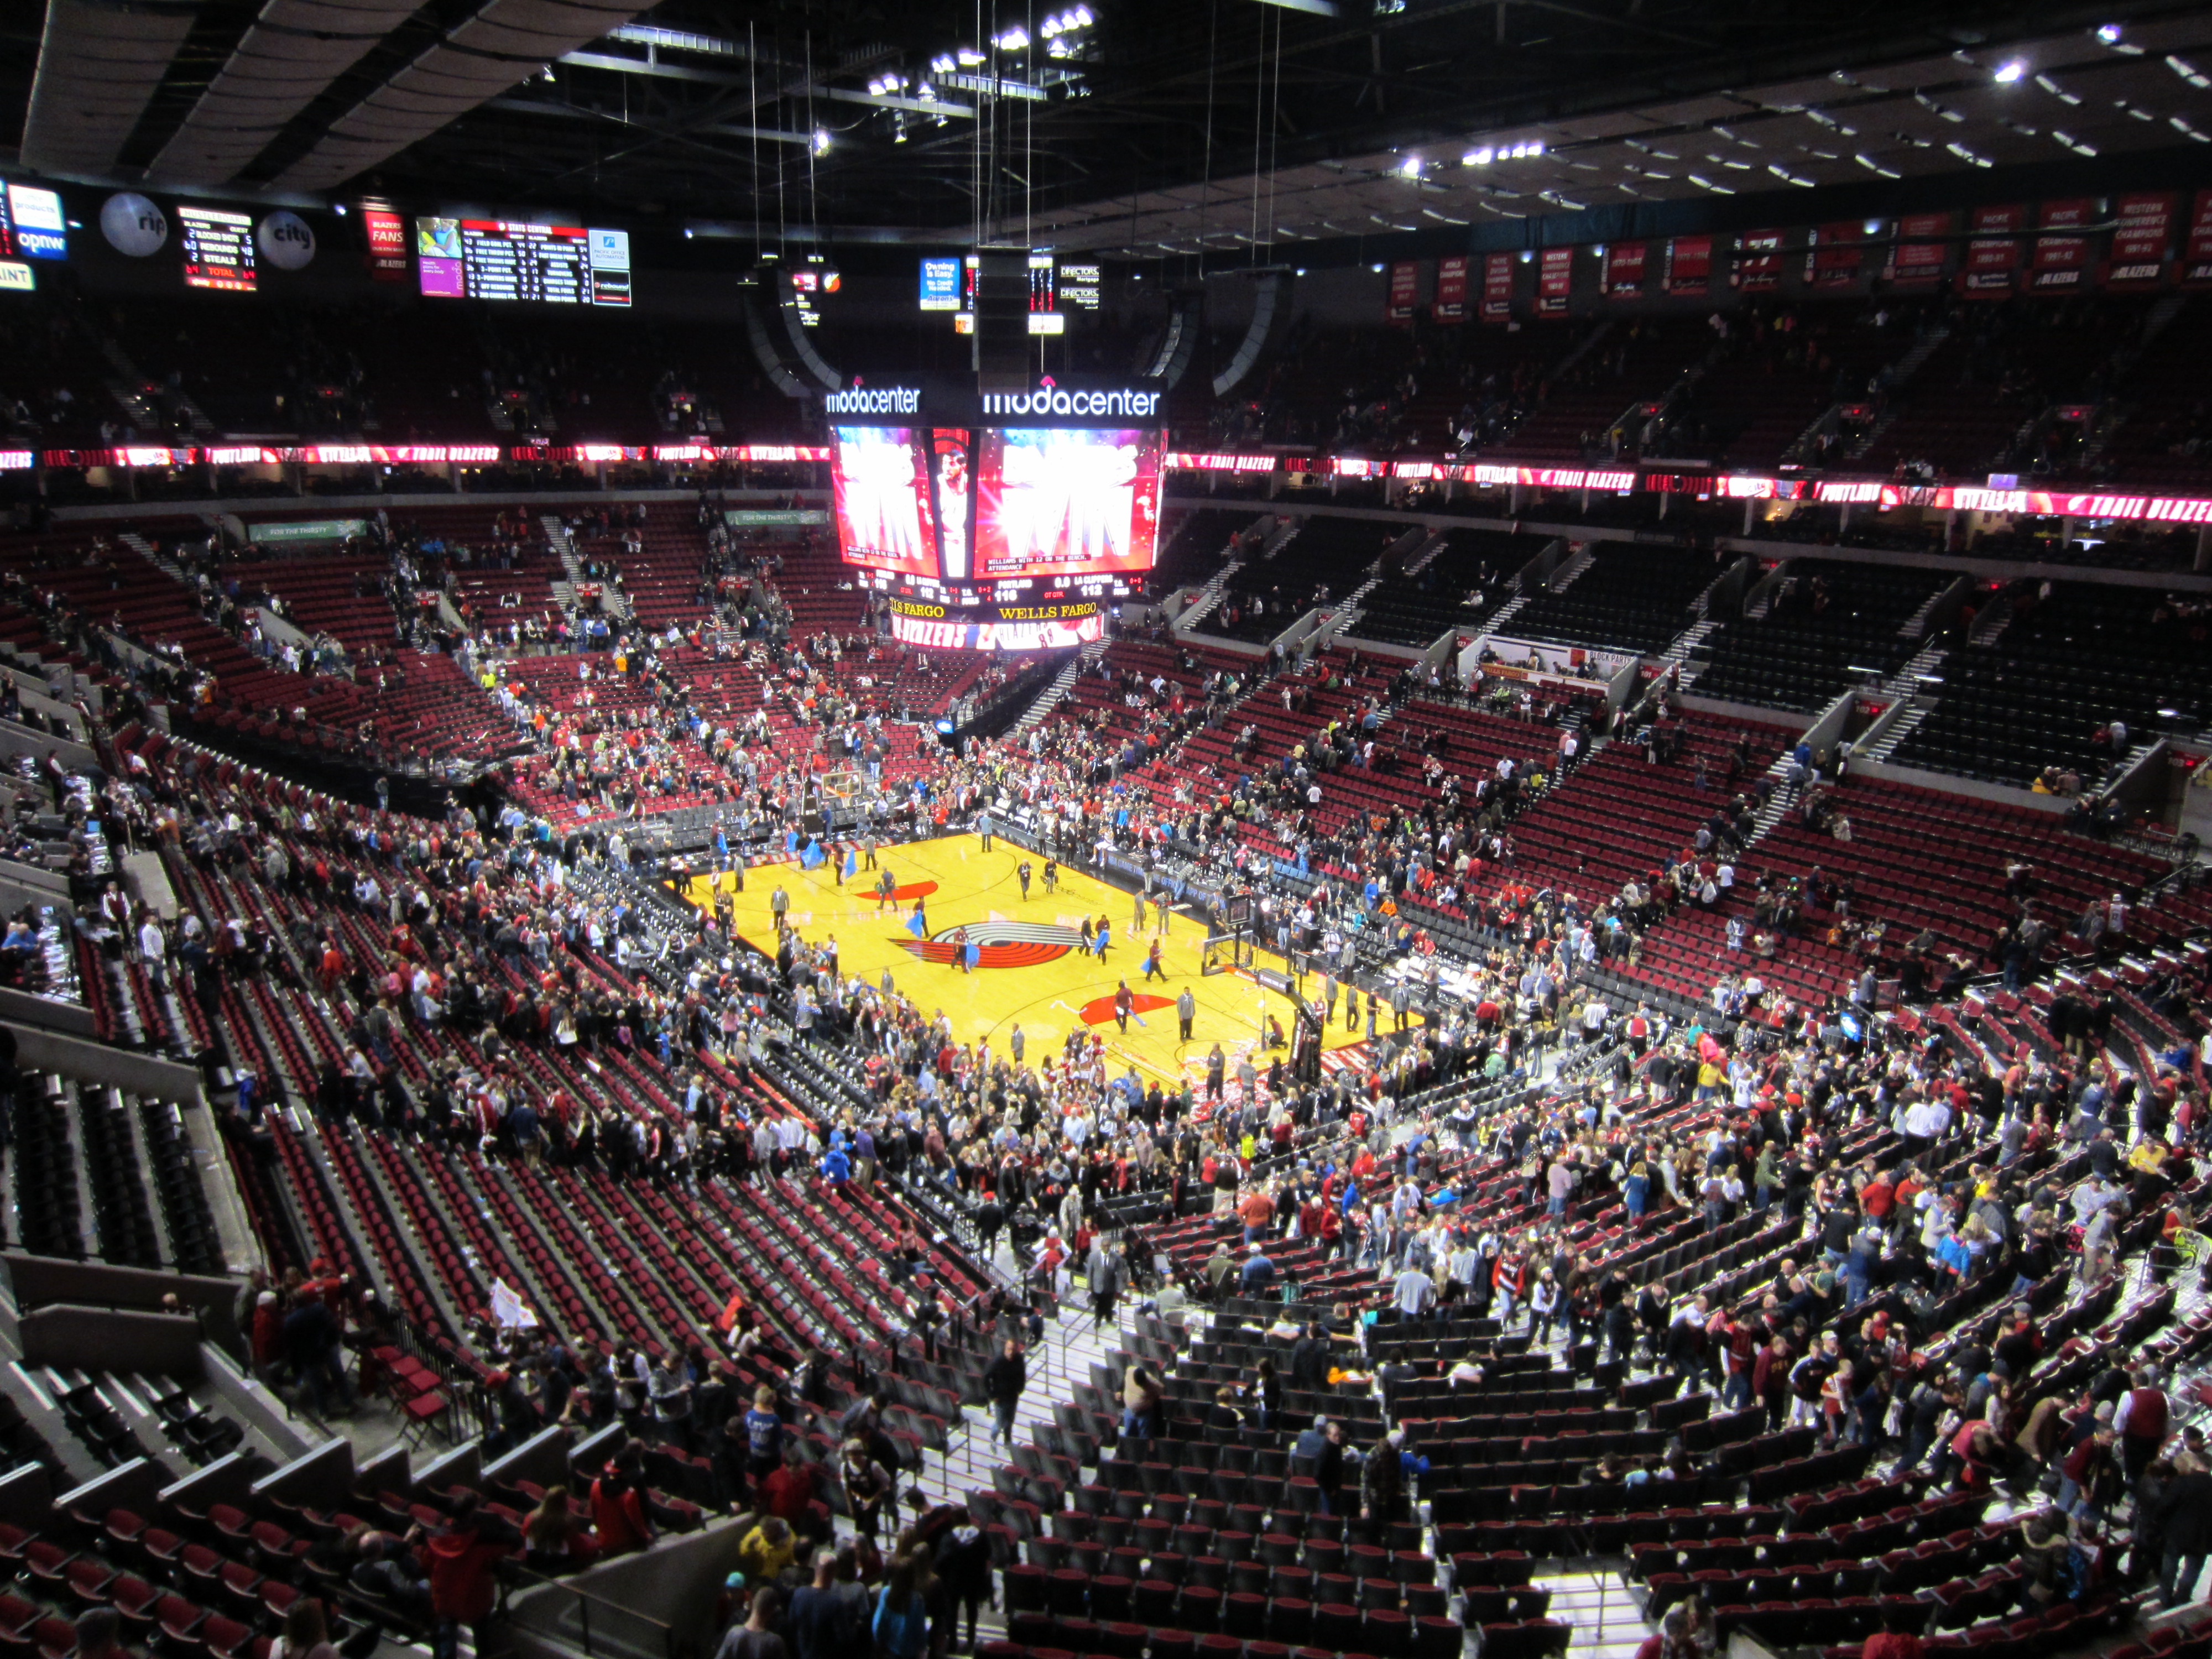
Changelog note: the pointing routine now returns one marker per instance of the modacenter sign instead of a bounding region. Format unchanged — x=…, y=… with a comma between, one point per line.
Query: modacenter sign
x=874, y=400
x=1050, y=402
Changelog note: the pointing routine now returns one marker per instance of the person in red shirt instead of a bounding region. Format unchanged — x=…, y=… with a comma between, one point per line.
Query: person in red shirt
x=788, y=1490
x=1671, y=1640
x=1878, y=1197
x=618, y=1505
x=462, y=1588
x=268, y=1332
x=1895, y=1639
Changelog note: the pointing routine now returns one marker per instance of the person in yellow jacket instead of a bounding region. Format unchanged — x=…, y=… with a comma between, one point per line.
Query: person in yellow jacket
x=766, y=1550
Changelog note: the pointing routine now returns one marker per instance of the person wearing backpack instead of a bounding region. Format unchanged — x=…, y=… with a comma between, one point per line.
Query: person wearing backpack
x=901, y=1626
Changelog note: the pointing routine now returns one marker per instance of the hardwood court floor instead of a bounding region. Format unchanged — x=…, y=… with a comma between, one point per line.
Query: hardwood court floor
x=1031, y=971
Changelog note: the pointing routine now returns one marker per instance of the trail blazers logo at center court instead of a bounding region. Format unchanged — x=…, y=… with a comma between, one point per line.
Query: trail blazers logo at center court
x=998, y=944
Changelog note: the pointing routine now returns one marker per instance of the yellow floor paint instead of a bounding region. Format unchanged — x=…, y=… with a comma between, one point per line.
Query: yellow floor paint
x=1047, y=999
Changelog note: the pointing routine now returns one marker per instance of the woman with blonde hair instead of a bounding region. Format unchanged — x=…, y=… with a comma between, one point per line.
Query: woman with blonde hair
x=306, y=1631
x=556, y=1535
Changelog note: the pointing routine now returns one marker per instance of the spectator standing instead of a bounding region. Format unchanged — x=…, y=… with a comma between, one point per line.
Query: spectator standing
x=1004, y=1379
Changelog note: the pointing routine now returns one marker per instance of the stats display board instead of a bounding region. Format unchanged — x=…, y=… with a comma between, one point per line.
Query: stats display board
x=513, y=260
x=218, y=249
x=948, y=284
x=1065, y=500
x=880, y=481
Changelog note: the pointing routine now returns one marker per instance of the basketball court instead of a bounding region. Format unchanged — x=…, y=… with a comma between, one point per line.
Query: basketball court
x=1027, y=967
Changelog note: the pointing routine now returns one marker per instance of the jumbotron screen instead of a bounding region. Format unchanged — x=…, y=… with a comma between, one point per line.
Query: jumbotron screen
x=1066, y=502
x=879, y=476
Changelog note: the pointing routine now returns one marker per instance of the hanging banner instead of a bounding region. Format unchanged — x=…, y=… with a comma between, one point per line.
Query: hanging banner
x=385, y=231
x=1555, y=281
x=1450, y=303
x=1405, y=291
x=2061, y=262
x=1833, y=254
x=2197, y=252
x=1623, y=276
x=1993, y=256
x=1758, y=261
x=1914, y=263
x=1496, y=288
x=1689, y=264
x=2142, y=226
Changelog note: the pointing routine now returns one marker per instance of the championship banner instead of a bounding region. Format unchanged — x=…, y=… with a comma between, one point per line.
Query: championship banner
x=1992, y=257
x=2142, y=227
x=1833, y=254
x=1758, y=261
x=1450, y=303
x=1623, y=276
x=1914, y=263
x=2060, y=264
x=1689, y=264
x=1555, y=281
x=1496, y=288
x=1405, y=291
x=2196, y=253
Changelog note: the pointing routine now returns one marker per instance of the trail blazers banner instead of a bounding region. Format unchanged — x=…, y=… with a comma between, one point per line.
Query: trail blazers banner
x=2143, y=230
x=1993, y=257
x=1405, y=291
x=1834, y=255
x=1625, y=263
x=1496, y=288
x=1450, y=304
x=1555, y=281
x=2061, y=262
x=1758, y=261
x=1689, y=264
x=2197, y=255
x=1914, y=263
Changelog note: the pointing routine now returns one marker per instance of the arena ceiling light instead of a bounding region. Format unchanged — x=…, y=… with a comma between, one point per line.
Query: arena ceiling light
x=2006, y=73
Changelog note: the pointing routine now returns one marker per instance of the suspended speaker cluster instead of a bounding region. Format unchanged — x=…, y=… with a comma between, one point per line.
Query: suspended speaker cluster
x=779, y=338
x=1271, y=320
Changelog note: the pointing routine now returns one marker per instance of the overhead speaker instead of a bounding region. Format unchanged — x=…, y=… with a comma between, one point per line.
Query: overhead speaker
x=1170, y=359
x=761, y=334
x=1271, y=320
x=807, y=358
x=1002, y=319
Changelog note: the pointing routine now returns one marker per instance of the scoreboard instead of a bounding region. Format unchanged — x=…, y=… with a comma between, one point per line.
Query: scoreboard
x=514, y=260
x=218, y=249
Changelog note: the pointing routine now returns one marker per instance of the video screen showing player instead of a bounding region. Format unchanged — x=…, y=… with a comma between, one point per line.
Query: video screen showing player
x=955, y=471
x=1067, y=501
x=882, y=490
